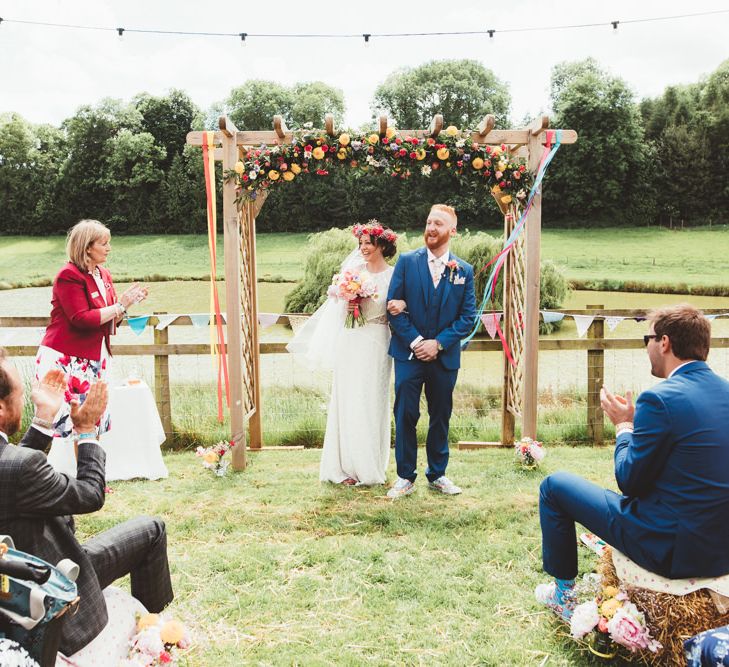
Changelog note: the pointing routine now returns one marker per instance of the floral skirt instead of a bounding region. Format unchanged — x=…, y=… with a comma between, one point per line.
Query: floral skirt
x=80, y=375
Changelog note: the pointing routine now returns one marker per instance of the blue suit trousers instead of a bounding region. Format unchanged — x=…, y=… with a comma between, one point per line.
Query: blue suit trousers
x=410, y=378
x=563, y=499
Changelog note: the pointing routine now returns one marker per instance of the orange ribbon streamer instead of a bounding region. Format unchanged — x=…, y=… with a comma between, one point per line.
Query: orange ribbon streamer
x=217, y=347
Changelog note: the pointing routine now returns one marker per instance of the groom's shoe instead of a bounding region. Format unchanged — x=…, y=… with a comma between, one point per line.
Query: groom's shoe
x=403, y=487
x=445, y=486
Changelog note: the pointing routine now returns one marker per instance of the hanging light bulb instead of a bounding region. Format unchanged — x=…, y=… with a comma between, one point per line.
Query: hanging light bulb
x=367, y=36
x=120, y=31
x=243, y=36
x=615, y=27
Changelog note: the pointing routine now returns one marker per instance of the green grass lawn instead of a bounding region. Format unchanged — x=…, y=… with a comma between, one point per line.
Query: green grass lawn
x=649, y=254
x=272, y=568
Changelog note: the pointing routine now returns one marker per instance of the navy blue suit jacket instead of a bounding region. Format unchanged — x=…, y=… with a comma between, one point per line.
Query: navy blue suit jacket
x=674, y=472
x=412, y=282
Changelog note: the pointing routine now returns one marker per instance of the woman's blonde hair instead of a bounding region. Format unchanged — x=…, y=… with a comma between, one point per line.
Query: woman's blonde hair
x=82, y=235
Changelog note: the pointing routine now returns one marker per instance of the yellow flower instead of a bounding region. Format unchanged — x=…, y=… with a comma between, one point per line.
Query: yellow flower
x=609, y=607
x=496, y=189
x=496, y=152
x=420, y=154
x=289, y=176
x=609, y=592
x=239, y=167
x=443, y=153
x=373, y=138
x=451, y=131
x=274, y=175
x=296, y=168
x=210, y=457
x=147, y=621
x=344, y=139
x=341, y=153
x=501, y=166
x=506, y=199
x=477, y=163
x=390, y=132
x=318, y=153
x=172, y=632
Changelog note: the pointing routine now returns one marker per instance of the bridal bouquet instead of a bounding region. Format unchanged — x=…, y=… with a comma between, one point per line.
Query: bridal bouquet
x=353, y=286
x=156, y=642
x=609, y=616
x=213, y=457
x=529, y=452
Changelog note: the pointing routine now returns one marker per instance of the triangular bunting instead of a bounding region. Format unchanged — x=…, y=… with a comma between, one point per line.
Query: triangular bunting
x=138, y=324
x=613, y=322
x=583, y=323
x=165, y=321
x=550, y=317
x=267, y=319
x=711, y=317
x=491, y=322
x=200, y=320
x=297, y=321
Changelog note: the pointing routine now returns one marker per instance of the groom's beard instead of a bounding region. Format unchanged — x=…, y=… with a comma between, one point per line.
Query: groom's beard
x=435, y=241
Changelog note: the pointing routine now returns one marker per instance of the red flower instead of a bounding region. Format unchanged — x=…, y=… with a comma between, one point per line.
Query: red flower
x=522, y=168
x=436, y=165
x=413, y=155
x=165, y=657
x=325, y=148
x=398, y=141
x=308, y=148
x=77, y=385
x=414, y=141
x=385, y=140
x=322, y=172
x=402, y=152
x=486, y=173
x=245, y=178
x=460, y=163
x=487, y=150
x=502, y=185
x=64, y=360
x=353, y=163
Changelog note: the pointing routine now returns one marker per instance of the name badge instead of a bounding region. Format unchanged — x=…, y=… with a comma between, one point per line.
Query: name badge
x=94, y=295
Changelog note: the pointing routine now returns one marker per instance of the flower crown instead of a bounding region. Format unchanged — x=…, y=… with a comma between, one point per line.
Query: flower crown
x=374, y=228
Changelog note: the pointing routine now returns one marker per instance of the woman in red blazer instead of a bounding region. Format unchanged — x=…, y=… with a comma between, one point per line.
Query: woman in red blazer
x=85, y=312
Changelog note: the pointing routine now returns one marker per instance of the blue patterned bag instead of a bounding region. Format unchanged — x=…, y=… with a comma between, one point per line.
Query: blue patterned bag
x=34, y=596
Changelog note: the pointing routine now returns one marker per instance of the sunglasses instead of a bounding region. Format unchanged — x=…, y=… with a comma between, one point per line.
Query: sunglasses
x=647, y=337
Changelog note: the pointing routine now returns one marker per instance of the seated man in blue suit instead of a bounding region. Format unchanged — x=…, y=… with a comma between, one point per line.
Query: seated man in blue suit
x=671, y=464
x=426, y=345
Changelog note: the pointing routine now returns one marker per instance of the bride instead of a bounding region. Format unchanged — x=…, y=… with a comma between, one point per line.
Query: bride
x=357, y=439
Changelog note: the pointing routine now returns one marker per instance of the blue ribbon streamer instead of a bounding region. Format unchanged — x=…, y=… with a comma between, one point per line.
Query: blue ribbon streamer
x=518, y=229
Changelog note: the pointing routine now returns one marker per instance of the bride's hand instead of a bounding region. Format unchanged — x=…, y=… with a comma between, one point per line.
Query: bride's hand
x=396, y=306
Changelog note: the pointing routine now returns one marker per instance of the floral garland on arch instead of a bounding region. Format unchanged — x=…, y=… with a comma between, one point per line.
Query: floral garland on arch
x=317, y=153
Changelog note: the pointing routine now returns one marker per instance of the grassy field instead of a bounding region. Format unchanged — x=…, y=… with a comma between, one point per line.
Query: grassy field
x=652, y=255
x=272, y=568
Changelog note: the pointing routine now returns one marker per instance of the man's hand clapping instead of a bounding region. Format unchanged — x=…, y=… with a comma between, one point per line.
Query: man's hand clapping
x=47, y=394
x=617, y=408
x=86, y=416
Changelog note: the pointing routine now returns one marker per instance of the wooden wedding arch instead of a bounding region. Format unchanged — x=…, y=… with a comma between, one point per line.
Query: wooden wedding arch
x=521, y=274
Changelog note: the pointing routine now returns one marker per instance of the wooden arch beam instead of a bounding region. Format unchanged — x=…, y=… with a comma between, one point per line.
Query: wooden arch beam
x=279, y=127
x=486, y=125
x=329, y=124
x=383, y=124
x=436, y=125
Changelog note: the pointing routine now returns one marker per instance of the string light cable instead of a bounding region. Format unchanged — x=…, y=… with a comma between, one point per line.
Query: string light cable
x=242, y=36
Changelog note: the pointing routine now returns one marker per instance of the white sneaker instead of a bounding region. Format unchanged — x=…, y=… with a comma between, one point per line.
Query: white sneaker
x=403, y=487
x=444, y=485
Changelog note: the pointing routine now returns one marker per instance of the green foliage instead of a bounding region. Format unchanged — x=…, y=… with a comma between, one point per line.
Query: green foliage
x=463, y=91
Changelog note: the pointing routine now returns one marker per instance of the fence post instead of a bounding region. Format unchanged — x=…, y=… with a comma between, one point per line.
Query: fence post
x=162, y=381
x=595, y=378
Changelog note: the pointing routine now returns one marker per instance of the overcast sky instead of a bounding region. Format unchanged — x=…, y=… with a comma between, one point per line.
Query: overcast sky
x=47, y=73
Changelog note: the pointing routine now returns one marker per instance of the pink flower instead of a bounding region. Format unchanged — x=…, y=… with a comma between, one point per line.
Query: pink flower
x=627, y=627
x=165, y=657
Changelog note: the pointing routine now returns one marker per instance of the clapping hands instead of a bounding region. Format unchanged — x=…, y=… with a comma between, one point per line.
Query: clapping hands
x=134, y=294
x=86, y=416
x=47, y=394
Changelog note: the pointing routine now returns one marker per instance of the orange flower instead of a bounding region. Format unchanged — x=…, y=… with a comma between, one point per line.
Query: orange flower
x=477, y=163
x=318, y=153
x=443, y=153
x=344, y=139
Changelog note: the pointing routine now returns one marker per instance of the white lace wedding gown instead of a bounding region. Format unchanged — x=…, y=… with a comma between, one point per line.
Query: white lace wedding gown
x=357, y=439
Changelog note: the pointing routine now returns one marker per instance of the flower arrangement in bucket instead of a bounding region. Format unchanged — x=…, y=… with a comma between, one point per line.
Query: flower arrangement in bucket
x=157, y=641
x=213, y=458
x=529, y=453
x=608, y=617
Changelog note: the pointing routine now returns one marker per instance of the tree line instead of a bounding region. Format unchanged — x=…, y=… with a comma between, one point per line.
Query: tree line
x=637, y=162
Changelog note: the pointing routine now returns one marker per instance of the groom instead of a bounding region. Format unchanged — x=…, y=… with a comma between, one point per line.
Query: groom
x=438, y=289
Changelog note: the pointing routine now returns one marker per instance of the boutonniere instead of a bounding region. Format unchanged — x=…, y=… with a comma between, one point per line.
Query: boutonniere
x=454, y=267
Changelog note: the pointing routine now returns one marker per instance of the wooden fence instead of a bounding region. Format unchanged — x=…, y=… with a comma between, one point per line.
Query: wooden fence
x=594, y=345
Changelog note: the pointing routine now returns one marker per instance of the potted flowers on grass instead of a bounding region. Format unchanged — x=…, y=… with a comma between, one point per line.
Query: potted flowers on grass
x=213, y=458
x=529, y=453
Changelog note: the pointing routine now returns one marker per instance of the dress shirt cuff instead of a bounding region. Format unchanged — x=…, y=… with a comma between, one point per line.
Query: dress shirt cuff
x=415, y=342
x=623, y=427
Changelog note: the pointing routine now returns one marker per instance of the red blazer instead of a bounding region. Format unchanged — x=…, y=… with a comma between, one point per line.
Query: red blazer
x=75, y=326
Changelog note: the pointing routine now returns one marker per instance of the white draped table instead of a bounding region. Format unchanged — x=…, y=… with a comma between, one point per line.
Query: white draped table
x=132, y=445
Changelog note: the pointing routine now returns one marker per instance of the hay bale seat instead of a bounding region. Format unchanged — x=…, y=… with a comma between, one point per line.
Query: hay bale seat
x=672, y=619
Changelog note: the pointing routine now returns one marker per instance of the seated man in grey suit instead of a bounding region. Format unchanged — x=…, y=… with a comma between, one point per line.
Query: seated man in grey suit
x=36, y=504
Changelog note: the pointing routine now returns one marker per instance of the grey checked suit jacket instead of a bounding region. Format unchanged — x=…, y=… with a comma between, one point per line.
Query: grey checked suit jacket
x=36, y=504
